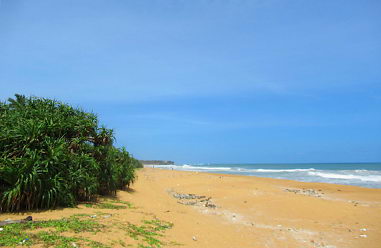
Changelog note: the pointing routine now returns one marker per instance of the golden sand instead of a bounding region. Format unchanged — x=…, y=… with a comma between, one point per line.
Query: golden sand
x=248, y=212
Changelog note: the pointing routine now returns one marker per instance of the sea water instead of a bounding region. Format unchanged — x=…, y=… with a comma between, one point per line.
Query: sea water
x=359, y=174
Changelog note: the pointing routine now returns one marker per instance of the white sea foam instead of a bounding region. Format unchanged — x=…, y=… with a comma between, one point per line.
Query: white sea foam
x=205, y=168
x=237, y=169
x=284, y=170
x=361, y=177
x=365, y=178
x=190, y=167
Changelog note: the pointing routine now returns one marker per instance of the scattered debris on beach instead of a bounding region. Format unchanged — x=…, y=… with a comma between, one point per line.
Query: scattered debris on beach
x=355, y=203
x=193, y=199
x=308, y=192
x=8, y=222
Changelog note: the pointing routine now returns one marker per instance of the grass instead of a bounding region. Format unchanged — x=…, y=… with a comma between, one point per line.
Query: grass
x=64, y=233
x=110, y=204
x=129, y=204
x=49, y=233
x=149, y=232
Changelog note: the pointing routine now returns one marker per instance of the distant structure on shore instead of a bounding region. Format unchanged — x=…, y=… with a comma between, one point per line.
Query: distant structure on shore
x=156, y=162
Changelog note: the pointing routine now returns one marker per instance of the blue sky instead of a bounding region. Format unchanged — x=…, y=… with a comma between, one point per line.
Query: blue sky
x=207, y=80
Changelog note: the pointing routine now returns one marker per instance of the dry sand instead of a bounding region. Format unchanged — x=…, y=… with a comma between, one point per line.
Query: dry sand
x=243, y=211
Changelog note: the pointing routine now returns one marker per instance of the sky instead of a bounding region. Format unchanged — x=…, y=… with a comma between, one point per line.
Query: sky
x=207, y=81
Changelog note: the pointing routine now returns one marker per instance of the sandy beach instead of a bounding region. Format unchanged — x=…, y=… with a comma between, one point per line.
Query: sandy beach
x=215, y=210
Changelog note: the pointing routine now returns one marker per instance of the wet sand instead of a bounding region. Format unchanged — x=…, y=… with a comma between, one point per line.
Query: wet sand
x=214, y=210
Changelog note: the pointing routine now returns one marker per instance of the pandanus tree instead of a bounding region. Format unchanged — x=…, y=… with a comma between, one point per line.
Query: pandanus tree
x=52, y=154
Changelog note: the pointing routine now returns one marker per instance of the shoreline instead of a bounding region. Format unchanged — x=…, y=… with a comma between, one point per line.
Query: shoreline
x=223, y=210
x=256, y=176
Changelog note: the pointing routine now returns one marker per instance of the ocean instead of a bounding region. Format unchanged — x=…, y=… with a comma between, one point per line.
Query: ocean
x=359, y=174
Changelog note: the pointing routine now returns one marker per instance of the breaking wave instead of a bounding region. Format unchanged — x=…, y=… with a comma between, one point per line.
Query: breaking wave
x=365, y=178
x=358, y=174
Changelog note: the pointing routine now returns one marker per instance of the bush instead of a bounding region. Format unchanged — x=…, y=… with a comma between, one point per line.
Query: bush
x=54, y=155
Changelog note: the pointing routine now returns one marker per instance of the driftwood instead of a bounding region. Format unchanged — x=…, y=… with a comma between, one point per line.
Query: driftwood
x=193, y=199
x=8, y=222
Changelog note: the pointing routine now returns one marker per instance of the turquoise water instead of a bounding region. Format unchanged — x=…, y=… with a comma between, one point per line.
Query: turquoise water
x=359, y=174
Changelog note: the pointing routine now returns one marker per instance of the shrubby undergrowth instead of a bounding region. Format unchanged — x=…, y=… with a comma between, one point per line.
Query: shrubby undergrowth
x=52, y=154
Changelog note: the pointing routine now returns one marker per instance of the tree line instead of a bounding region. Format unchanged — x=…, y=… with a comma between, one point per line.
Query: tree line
x=52, y=154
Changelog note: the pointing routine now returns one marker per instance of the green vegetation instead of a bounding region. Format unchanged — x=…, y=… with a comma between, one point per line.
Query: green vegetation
x=65, y=233
x=49, y=233
x=113, y=204
x=149, y=232
x=52, y=154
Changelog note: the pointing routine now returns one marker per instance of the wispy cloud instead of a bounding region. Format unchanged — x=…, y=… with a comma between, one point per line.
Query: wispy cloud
x=177, y=120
